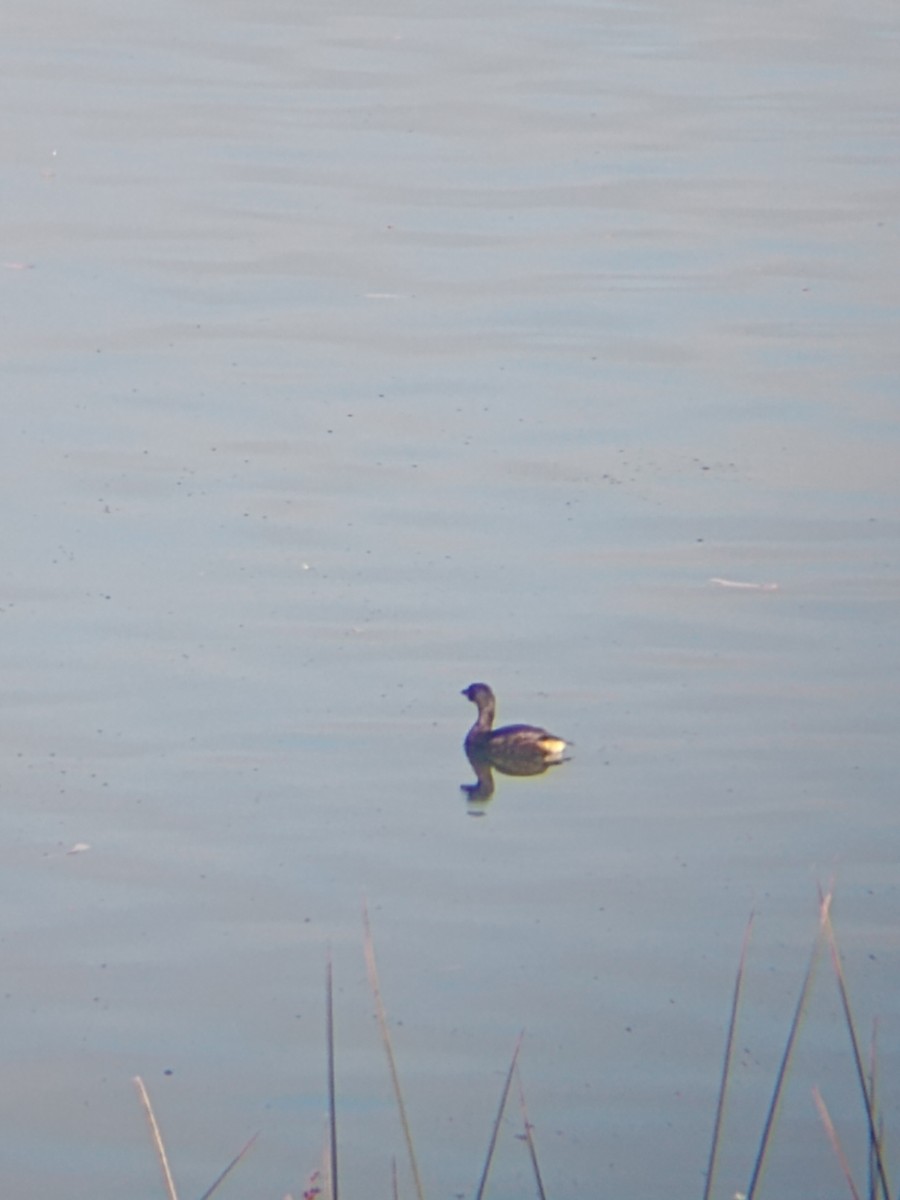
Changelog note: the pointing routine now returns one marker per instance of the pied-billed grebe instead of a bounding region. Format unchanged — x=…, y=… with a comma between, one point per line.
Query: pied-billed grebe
x=512, y=741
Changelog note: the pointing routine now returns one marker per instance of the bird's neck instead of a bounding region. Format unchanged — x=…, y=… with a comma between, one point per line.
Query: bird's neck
x=485, y=716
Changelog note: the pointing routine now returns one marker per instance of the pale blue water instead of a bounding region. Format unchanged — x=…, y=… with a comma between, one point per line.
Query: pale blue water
x=352, y=357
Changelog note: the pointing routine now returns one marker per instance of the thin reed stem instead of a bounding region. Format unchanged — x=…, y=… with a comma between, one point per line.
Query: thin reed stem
x=836, y=1146
x=874, y=1139
x=529, y=1139
x=157, y=1138
x=234, y=1162
x=788, y=1049
x=876, y=1144
x=498, y=1119
x=389, y=1051
x=726, y=1062
x=332, y=1095
x=872, y=1183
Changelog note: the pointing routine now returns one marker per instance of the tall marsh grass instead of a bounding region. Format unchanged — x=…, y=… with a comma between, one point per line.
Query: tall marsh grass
x=323, y=1183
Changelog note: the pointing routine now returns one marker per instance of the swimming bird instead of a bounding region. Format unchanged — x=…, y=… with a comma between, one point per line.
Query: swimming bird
x=511, y=746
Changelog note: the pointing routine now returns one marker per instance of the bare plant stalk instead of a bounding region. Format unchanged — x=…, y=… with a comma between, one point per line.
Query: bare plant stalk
x=836, y=1146
x=157, y=1138
x=498, y=1119
x=529, y=1140
x=320, y=1181
x=332, y=1098
x=389, y=1051
x=234, y=1162
x=872, y=1186
x=769, y=1124
x=874, y=1139
x=874, y=1173
x=726, y=1062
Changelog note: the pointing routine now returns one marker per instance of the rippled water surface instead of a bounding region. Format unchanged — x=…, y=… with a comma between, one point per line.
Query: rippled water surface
x=353, y=355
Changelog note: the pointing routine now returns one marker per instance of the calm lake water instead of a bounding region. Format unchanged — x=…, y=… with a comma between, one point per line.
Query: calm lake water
x=353, y=355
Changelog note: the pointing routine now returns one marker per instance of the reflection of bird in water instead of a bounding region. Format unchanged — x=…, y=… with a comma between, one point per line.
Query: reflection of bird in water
x=512, y=750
